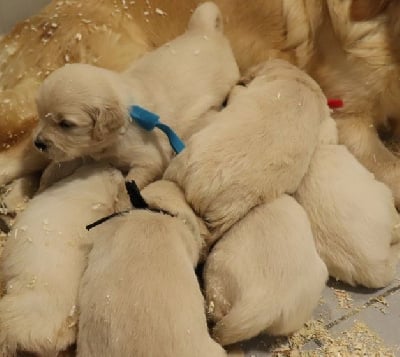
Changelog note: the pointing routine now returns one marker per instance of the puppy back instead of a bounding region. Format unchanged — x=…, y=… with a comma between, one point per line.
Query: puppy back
x=207, y=18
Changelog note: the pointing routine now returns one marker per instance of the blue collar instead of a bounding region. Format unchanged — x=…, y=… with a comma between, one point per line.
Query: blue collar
x=149, y=120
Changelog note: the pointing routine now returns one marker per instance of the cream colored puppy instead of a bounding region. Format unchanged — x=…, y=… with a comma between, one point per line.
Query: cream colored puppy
x=354, y=221
x=84, y=110
x=139, y=295
x=44, y=258
x=264, y=274
x=255, y=149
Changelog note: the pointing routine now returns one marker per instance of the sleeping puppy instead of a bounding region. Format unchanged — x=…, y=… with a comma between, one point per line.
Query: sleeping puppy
x=44, y=258
x=255, y=149
x=139, y=295
x=353, y=218
x=264, y=274
x=350, y=47
x=84, y=110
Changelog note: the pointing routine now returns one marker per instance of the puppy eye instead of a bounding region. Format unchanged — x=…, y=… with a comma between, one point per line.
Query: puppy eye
x=66, y=124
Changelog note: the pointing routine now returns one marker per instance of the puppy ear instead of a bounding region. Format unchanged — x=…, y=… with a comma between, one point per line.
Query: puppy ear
x=206, y=17
x=363, y=10
x=107, y=119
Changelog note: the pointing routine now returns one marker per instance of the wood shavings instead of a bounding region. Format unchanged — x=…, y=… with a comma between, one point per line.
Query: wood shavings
x=210, y=307
x=358, y=340
x=382, y=304
x=158, y=11
x=344, y=299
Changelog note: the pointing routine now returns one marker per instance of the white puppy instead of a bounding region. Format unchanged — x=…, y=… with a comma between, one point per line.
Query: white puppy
x=355, y=224
x=353, y=218
x=84, y=110
x=254, y=150
x=264, y=274
x=44, y=258
x=140, y=295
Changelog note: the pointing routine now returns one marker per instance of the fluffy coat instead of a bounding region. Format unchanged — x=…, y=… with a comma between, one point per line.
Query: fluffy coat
x=84, y=110
x=140, y=295
x=44, y=258
x=264, y=274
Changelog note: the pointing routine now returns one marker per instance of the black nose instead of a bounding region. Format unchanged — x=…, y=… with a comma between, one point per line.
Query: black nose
x=40, y=145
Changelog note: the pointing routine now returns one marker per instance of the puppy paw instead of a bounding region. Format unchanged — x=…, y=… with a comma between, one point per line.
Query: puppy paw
x=217, y=303
x=217, y=308
x=34, y=323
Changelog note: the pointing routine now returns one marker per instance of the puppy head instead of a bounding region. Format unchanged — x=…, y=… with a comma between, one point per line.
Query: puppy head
x=80, y=112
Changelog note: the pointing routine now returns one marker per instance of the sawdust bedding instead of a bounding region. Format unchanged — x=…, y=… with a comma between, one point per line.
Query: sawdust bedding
x=358, y=340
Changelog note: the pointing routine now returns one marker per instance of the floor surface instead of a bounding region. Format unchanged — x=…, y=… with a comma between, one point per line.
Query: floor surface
x=348, y=322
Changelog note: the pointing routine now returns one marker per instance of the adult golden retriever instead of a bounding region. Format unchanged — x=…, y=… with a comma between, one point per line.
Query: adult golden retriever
x=348, y=46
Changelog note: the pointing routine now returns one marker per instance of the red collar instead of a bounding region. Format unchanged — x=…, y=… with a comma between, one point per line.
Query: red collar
x=335, y=103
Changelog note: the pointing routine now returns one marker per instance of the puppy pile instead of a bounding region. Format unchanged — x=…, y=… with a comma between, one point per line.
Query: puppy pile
x=262, y=193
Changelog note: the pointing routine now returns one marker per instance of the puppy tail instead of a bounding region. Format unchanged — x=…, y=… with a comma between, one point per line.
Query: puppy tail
x=207, y=17
x=242, y=322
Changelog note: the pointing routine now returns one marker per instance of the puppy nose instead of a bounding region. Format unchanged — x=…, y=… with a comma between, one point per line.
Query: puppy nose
x=40, y=144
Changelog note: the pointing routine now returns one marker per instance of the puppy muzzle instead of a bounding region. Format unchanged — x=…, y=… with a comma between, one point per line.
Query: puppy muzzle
x=41, y=145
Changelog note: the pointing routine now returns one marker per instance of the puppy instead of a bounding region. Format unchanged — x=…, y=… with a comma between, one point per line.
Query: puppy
x=44, y=258
x=84, y=110
x=350, y=47
x=264, y=274
x=353, y=218
x=139, y=295
x=254, y=150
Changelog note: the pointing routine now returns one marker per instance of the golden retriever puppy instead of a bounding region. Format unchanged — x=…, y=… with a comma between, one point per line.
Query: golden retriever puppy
x=44, y=257
x=350, y=47
x=84, y=110
x=139, y=295
x=255, y=149
x=353, y=218
x=264, y=274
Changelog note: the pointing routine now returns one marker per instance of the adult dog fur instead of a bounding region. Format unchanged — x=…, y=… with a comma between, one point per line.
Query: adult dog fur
x=44, y=258
x=84, y=110
x=350, y=47
x=140, y=295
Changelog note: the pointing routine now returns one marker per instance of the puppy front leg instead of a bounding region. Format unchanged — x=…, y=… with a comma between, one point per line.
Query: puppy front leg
x=360, y=136
x=20, y=160
x=143, y=175
x=56, y=171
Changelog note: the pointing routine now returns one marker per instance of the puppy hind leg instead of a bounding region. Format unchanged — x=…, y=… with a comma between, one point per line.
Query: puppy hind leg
x=247, y=318
x=23, y=328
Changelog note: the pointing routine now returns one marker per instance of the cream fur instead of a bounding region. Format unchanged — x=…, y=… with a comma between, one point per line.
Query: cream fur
x=179, y=81
x=354, y=60
x=264, y=274
x=140, y=295
x=44, y=258
x=352, y=216
x=256, y=149
x=358, y=61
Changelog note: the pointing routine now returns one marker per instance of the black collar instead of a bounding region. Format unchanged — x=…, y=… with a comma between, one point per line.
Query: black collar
x=137, y=201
